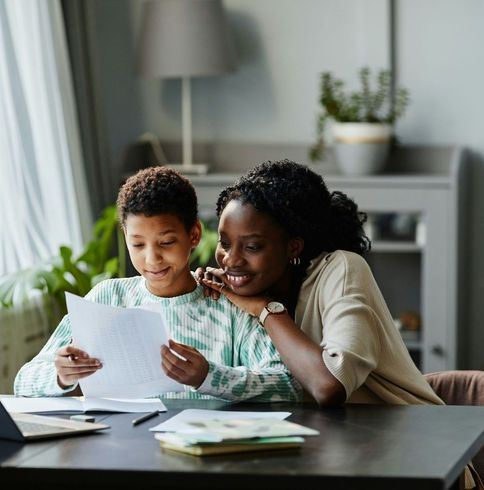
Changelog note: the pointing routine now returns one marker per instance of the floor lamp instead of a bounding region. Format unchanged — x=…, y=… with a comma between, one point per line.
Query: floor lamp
x=185, y=39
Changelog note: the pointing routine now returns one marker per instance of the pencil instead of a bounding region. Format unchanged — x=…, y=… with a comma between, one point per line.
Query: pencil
x=145, y=417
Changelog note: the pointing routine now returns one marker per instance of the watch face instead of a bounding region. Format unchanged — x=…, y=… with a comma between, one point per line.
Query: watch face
x=275, y=307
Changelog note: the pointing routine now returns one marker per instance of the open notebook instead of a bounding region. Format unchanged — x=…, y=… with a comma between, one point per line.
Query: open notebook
x=24, y=427
x=64, y=404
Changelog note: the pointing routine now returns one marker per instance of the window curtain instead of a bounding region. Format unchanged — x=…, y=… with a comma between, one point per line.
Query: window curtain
x=80, y=26
x=43, y=195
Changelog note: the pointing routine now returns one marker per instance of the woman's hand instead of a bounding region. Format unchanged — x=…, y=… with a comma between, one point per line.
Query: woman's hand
x=72, y=364
x=201, y=274
x=253, y=305
x=191, y=370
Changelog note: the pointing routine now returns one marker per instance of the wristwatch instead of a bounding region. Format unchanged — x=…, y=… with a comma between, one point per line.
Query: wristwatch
x=272, y=308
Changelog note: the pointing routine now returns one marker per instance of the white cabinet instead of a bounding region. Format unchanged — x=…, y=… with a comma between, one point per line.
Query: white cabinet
x=422, y=273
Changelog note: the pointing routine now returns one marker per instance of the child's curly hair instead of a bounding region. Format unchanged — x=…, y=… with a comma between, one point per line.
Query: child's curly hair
x=298, y=200
x=158, y=190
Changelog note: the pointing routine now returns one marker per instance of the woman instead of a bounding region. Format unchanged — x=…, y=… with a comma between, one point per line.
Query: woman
x=290, y=253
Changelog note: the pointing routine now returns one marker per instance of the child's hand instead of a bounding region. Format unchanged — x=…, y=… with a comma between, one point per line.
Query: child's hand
x=72, y=364
x=191, y=372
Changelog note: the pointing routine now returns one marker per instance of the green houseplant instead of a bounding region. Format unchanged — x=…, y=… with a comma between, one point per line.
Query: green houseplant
x=103, y=257
x=205, y=251
x=362, y=118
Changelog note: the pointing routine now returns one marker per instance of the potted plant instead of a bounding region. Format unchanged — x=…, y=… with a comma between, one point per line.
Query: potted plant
x=102, y=258
x=362, y=121
x=204, y=254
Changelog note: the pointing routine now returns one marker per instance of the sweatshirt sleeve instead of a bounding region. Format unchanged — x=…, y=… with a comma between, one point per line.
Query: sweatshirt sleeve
x=351, y=343
x=258, y=374
x=39, y=376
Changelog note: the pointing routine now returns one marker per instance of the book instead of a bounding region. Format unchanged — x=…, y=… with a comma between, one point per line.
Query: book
x=64, y=404
x=216, y=436
x=262, y=444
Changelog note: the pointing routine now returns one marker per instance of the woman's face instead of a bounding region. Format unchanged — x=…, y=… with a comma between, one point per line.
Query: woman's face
x=253, y=250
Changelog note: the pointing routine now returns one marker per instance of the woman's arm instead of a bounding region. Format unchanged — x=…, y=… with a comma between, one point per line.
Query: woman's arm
x=304, y=359
x=299, y=353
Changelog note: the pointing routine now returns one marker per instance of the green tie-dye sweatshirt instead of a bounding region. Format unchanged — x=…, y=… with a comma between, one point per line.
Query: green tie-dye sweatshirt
x=243, y=363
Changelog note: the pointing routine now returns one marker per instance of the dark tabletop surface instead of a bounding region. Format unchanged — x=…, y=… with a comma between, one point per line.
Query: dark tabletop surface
x=359, y=446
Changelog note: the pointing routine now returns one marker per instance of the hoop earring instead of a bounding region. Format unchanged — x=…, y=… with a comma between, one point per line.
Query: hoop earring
x=295, y=261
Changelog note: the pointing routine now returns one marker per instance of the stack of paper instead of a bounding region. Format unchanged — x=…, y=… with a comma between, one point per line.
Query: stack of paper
x=128, y=342
x=215, y=436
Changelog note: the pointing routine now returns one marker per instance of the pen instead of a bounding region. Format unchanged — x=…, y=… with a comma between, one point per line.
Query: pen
x=145, y=417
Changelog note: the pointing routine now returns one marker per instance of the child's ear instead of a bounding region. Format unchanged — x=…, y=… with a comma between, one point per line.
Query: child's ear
x=196, y=234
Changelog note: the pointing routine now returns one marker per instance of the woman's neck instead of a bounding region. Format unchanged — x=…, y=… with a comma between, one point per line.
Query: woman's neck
x=286, y=290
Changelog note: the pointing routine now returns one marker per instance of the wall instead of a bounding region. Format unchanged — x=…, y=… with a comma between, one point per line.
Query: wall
x=282, y=46
x=272, y=96
x=439, y=58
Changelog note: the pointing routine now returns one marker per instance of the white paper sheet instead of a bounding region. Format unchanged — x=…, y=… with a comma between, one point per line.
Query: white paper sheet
x=128, y=342
x=80, y=404
x=177, y=422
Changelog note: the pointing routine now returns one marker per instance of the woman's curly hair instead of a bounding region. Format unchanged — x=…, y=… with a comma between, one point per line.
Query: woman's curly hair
x=158, y=190
x=298, y=200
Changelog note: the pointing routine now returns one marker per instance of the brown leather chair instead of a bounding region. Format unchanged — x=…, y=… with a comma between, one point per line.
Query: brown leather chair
x=461, y=388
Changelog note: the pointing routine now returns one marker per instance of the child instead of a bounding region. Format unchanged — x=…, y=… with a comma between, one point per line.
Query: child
x=228, y=354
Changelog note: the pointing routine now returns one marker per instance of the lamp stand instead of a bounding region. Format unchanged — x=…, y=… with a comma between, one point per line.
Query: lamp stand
x=187, y=166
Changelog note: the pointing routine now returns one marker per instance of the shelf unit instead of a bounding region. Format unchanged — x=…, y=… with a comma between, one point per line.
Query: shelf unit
x=401, y=247
x=422, y=275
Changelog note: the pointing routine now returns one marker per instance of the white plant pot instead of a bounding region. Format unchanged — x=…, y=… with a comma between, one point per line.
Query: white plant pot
x=361, y=148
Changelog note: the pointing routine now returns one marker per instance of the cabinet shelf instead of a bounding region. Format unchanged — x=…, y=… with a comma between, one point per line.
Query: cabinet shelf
x=395, y=246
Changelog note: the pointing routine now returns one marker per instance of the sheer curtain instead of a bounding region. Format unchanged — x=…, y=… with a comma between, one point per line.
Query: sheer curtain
x=43, y=193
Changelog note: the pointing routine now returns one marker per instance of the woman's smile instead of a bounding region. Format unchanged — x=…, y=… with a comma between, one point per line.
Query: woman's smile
x=238, y=279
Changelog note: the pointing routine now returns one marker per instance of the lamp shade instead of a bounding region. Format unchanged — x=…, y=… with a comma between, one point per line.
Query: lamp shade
x=184, y=38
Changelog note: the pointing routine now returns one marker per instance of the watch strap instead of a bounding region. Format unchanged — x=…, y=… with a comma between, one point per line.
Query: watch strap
x=264, y=314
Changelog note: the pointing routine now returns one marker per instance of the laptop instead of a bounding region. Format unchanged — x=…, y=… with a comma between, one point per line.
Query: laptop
x=25, y=427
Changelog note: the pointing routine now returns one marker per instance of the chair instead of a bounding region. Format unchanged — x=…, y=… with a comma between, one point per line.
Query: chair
x=461, y=387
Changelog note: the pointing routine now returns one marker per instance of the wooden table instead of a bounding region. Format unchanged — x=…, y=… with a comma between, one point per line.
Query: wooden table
x=416, y=447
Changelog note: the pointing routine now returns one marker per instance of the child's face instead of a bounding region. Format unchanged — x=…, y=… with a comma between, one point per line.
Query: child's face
x=159, y=248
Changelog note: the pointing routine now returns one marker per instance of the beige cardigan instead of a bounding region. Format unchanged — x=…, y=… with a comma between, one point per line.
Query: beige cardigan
x=341, y=307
